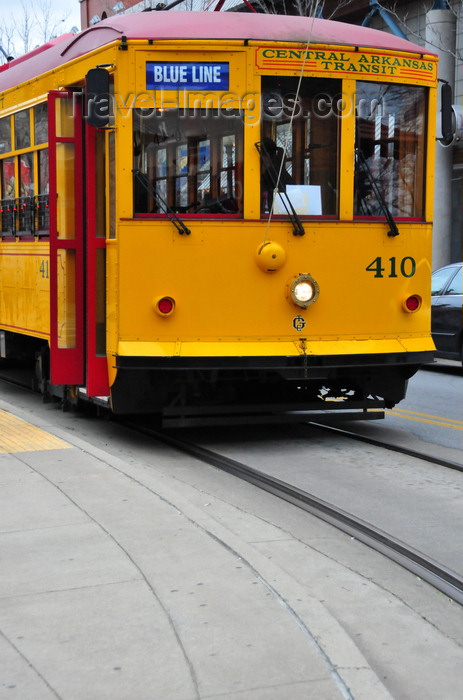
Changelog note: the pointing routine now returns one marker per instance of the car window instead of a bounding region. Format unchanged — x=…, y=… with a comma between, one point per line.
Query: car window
x=456, y=285
x=439, y=280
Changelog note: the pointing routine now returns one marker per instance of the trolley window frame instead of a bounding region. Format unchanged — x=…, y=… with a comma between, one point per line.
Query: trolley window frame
x=24, y=187
x=396, y=156
x=290, y=103
x=193, y=166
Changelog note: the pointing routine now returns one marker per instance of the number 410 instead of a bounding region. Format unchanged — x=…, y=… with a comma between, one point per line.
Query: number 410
x=405, y=267
x=44, y=269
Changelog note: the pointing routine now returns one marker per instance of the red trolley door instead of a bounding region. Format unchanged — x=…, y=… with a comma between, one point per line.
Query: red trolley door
x=77, y=354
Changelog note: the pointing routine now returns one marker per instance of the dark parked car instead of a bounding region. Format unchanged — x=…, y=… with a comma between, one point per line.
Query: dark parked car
x=447, y=311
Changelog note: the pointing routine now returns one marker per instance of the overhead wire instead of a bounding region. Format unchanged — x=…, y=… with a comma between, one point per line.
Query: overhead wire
x=291, y=120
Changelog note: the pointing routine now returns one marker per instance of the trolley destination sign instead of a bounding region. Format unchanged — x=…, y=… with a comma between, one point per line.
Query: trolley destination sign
x=357, y=63
x=188, y=75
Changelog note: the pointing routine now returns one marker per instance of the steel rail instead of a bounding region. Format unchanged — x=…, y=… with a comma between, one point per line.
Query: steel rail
x=449, y=464
x=425, y=568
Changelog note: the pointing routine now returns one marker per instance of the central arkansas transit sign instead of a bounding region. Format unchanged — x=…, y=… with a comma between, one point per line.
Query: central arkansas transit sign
x=359, y=64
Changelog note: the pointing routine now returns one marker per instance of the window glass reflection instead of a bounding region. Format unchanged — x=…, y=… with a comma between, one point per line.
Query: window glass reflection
x=192, y=159
x=390, y=150
x=299, y=146
x=5, y=135
x=22, y=129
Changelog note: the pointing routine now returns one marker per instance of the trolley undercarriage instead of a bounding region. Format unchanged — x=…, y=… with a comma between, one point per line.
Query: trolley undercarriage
x=266, y=389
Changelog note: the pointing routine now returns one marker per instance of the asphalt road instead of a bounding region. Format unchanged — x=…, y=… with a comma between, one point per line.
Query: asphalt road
x=433, y=408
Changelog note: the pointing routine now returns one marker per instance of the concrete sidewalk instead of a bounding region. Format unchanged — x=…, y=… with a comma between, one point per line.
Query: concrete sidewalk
x=109, y=591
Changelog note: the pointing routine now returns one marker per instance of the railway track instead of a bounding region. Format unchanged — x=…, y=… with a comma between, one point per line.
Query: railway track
x=440, y=577
x=448, y=464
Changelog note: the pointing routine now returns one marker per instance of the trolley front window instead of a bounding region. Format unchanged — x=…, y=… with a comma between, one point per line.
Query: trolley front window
x=300, y=127
x=390, y=150
x=192, y=160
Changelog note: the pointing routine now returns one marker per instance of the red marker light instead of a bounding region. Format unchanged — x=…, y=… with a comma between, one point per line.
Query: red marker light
x=164, y=306
x=413, y=303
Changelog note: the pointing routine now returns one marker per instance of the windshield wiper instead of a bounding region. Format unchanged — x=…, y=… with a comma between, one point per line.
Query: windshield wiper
x=165, y=209
x=393, y=230
x=298, y=228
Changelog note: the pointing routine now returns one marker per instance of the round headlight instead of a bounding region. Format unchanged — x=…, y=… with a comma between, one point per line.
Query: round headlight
x=304, y=291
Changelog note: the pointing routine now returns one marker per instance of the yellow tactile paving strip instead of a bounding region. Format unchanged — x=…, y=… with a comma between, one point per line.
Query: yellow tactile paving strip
x=17, y=435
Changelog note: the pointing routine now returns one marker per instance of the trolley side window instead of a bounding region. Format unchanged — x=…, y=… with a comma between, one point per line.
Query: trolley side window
x=390, y=150
x=41, y=123
x=5, y=135
x=300, y=126
x=7, y=166
x=22, y=129
x=24, y=173
x=191, y=160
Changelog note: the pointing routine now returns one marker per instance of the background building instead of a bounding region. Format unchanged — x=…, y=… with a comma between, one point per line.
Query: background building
x=436, y=25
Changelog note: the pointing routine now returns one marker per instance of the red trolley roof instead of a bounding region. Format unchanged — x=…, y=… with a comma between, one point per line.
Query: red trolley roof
x=197, y=25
